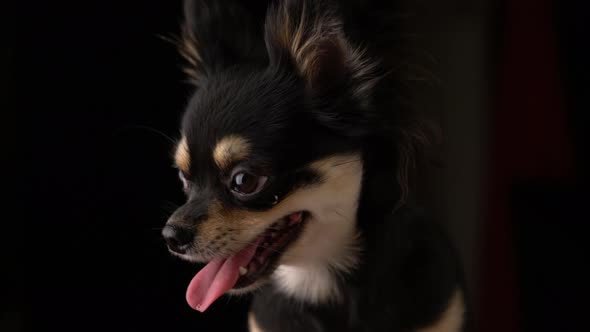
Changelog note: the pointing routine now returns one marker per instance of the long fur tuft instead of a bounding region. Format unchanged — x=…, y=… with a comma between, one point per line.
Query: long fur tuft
x=310, y=33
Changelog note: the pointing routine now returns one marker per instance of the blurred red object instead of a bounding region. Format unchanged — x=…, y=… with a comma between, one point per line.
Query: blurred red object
x=529, y=140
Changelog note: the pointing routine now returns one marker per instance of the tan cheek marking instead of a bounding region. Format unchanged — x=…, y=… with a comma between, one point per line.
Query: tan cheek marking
x=230, y=149
x=249, y=221
x=452, y=319
x=230, y=228
x=217, y=224
x=182, y=156
x=253, y=324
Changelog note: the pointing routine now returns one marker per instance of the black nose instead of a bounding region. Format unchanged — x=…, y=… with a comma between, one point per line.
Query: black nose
x=178, y=238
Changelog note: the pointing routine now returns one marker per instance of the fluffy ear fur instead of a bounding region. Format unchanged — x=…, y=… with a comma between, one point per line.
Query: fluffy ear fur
x=217, y=34
x=308, y=35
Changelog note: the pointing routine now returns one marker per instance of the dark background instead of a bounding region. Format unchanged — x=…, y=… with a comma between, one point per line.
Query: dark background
x=92, y=93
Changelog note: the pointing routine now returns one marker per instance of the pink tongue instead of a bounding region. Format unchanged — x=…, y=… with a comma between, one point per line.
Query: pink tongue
x=217, y=277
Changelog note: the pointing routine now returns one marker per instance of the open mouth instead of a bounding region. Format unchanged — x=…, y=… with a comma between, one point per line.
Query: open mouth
x=245, y=267
x=273, y=243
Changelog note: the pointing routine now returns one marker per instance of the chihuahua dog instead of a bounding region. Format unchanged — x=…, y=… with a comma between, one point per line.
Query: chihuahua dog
x=294, y=155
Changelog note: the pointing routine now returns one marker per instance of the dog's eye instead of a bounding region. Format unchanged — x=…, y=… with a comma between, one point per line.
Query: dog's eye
x=244, y=183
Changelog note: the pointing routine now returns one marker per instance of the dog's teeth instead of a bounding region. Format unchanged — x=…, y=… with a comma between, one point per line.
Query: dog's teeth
x=243, y=271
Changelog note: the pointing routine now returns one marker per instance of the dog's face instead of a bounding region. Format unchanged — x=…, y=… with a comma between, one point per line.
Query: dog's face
x=271, y=163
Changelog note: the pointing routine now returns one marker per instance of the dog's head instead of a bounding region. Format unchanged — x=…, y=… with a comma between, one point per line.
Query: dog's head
x=270, y=154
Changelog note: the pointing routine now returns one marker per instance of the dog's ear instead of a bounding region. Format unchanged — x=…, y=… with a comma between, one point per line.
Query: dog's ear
x=308, y=35
x=217, y=34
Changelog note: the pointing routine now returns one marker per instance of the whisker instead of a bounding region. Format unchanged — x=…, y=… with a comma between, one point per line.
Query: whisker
x=150, y=129
x=169, y=206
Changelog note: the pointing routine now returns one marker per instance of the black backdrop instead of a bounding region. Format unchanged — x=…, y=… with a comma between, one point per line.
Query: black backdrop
x=81, y=247
x=93, y=78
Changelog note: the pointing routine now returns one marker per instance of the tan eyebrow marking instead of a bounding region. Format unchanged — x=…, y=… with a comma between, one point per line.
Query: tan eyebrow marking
x=230, y=149
x=182, y=157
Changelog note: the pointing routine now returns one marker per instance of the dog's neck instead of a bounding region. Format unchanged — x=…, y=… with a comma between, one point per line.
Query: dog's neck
x=318, y=282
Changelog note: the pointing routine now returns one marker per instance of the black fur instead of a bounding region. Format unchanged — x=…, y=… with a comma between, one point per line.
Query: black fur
x=408, y=273
x=408, y=269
